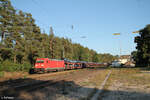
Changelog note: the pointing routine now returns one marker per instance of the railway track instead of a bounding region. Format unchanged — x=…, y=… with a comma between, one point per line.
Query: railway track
x=34, y=79
x=37, y=82
x=29, y=79
x=28, y=88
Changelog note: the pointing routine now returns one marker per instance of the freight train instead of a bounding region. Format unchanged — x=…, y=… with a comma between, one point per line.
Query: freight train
x=48, y=65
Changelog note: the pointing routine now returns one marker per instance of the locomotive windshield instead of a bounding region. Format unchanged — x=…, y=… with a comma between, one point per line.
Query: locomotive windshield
x=40, y=61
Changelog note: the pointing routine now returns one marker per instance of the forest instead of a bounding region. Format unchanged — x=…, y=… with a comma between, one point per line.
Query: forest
x=21, y=42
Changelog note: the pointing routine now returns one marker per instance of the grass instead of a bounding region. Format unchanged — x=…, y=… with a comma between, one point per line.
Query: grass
x=96, y=80
x=128, y=76
x=12, y=75
x=25, y=76
x=126, y=79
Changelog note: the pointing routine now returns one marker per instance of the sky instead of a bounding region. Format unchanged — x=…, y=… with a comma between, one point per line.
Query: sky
x=96, y=20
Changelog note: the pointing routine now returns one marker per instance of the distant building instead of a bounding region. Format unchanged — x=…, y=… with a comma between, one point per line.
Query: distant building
x=124, y=59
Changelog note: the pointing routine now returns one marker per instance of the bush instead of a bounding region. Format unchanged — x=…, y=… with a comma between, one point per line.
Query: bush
x=11, y=67
x=7, y=66
x=1, y=74
x=26, y=66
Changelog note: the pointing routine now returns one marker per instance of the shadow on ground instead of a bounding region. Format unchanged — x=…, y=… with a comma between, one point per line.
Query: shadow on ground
x=60, y=90
x=123, y=95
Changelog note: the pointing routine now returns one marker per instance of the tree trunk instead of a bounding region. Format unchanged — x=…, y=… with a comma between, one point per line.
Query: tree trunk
x=14, y=58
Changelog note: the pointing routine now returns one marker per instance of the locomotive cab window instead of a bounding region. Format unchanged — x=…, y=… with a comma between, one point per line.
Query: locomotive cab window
x=40, y=61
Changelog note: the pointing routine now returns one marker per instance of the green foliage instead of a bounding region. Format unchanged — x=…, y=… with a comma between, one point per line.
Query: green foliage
x=1, y=73
x=142, y=55
x=10, y=66
x=25, y=76
x=22, y=42
x=107, y=58
x=26, y=66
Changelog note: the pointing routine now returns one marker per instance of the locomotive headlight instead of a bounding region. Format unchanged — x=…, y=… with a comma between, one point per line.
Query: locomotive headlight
x=42, y=65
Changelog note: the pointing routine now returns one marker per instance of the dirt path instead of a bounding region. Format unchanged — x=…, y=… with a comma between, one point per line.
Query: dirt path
x=95, y=97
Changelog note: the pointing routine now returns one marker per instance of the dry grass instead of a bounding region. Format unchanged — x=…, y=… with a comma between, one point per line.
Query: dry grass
x=18, y=75
x=96, y=80
x=13, y=75
x=129, y=76
x=127, y=83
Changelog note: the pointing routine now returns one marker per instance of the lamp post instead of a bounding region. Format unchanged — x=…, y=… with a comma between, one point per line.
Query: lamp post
x=135, y=32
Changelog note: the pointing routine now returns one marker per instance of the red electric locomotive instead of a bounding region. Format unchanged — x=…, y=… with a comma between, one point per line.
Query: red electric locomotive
x=45, y=65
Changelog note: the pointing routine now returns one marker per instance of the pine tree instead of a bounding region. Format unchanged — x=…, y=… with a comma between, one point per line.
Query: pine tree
x=51, y=42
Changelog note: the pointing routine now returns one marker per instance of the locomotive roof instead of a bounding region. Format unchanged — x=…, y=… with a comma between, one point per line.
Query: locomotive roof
x=56, y=59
